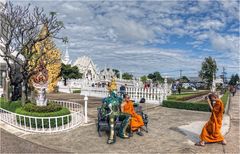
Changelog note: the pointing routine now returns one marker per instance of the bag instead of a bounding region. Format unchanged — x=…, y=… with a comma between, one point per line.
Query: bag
x=143, y=100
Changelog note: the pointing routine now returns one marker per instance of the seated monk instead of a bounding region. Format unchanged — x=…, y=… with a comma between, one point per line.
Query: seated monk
x=211, y=132
x=136, y=120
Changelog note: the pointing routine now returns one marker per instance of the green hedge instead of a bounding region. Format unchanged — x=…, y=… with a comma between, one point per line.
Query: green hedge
x=192, y=105
x=51, y=107
x=10, y=106
x=187, y=96
x=63, y=111
x=77, y=91
x=28, y=109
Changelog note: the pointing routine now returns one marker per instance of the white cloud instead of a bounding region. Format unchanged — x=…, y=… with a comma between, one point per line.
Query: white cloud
x=225, y=43
x=141, y=36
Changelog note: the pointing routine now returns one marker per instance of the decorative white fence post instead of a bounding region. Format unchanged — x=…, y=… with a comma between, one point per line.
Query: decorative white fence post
x=165, y=88
x=85, y=108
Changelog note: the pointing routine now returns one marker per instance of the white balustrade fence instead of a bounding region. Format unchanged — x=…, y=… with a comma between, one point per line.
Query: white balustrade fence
x=151, y=95
x=83, y=83
x=46, y=124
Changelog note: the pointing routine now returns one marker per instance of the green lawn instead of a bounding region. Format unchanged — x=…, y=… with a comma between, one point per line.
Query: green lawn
x=186, y=96
x=199, y=106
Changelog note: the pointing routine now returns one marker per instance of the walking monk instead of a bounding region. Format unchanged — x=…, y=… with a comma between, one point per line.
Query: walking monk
x=136, y=120
x=211, y=132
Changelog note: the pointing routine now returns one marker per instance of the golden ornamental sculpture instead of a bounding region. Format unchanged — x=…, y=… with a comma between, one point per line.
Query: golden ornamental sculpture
x=40, y=83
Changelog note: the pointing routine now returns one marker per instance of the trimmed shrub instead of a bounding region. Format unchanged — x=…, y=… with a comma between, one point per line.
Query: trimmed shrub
x=185, y=105
x=10, y=106
x=39, y=123
x=187, y=96
x=51, y=107
x=198, y=106
x=77, y=91
x=30, y=109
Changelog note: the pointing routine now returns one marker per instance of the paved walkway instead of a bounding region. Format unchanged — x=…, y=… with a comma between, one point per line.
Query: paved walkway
x=164, y=134
x=13, y=144
x=233, y=137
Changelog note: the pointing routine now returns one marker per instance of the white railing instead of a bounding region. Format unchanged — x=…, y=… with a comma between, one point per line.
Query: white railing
x=46, y=124
x=151, y=95
x=82, y=83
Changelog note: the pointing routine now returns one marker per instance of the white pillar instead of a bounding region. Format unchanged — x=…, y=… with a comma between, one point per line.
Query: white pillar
x=136, y=93
x=85, y=108
x=165, y=88
x=120, y=75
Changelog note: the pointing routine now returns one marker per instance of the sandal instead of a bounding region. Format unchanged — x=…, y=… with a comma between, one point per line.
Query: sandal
x=224, y=142
x=200, y=144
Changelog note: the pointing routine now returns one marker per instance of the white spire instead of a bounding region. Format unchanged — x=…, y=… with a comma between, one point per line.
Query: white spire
x=66, y=53
x=66, y=59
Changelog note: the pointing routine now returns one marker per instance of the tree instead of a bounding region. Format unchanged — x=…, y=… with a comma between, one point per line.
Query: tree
x=20, y=29
x=117, y=73
x=52, y=60
x=184, y=79
x=127, y=76
x=234, y=79
x=208, y=70
x=69, y=72
x=144, y=78
x=156, y=77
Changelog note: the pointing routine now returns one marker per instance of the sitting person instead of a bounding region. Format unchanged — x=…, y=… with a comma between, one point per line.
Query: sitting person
x=136, y=120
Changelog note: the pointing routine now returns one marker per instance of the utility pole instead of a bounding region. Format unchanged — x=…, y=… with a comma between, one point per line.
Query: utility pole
x=223, y=74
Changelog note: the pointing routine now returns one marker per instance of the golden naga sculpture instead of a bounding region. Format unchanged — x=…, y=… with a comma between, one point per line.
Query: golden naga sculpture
x=112, y=86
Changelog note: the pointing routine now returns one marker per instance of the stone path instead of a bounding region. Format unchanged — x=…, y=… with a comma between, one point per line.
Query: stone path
x=13, y=144
x=233, y=137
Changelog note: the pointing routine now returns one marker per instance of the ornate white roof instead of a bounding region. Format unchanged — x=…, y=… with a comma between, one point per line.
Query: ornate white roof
x=84, y=62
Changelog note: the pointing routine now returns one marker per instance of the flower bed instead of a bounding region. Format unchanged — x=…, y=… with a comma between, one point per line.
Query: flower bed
x=46, y=114
x=44, y=122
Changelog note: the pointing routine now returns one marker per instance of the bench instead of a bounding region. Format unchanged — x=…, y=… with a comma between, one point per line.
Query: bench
x=102, y=123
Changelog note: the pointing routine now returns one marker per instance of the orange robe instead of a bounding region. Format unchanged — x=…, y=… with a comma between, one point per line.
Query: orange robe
x=211, y=132
x=136, y=120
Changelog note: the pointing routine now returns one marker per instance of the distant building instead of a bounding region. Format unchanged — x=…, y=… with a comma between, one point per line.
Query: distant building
x=195, y=79
x=87, y=68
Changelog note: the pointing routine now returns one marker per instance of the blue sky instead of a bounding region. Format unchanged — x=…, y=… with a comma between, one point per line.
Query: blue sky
x=147, y=36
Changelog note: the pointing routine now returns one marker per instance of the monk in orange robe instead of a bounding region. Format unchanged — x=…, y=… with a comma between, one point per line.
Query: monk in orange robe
x=136, y=120
x=211, y=132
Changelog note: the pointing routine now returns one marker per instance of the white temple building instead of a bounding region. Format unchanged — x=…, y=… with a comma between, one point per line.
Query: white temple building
x=87, y=68
x=107, y=74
